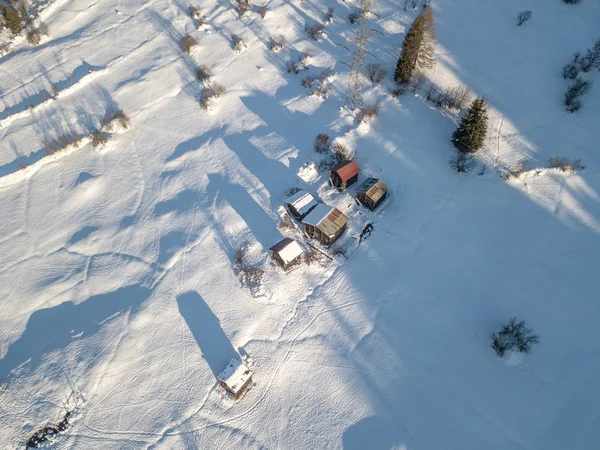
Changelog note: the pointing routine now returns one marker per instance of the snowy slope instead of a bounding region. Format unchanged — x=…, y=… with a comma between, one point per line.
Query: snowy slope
x=117, y=267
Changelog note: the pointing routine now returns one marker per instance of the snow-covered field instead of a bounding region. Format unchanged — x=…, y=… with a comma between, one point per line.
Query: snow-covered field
x=117, y=266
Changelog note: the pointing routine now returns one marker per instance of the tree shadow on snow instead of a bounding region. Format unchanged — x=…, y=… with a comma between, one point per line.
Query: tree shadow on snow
x=54, y=328
x=373, y=433
x=206, y=329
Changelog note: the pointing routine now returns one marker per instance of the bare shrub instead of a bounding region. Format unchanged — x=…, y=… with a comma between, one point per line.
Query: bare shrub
x=462, y=162
x=122, y=118
x=291, y=191
x=251, y=275
x=571, y=69
x=329, y=15
x=296, y=66
x=376, y=72
x=341, y=151
x=457, y=97
x=210, y=93
x=243, y=6
x=42, y=28
x=61, y=142
x=307, y=81
x=276, y=44
x=196, y=15
x=55, y=90
x=188, y=43
x=218, y=89
x=99, y=138
x=397, y=90
x=368, y=112
x=34, y=36
x=515, y=171
x=262, y=11
x=237, y=43
x=4, y=47
x=322, y=143
x=516, y=336
x=416, y=81
x=326, y=74
x=203, y=73
x=355, y=16
x=312, y=257
x=286, y=224
x=315, y=30
x=431, y=92
x=577, y=89
x=523, y=17
x=564, y=164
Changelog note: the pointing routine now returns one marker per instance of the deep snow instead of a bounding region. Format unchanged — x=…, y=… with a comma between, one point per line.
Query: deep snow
x=117, y=267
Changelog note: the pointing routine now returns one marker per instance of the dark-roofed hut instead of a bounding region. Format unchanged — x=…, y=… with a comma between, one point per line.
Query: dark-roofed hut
x=325, y=223
x=371, y=193
x=287, y=252
x=344, y=174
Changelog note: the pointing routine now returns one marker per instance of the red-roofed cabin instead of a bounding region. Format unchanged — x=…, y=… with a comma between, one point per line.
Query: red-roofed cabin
x=344, y=174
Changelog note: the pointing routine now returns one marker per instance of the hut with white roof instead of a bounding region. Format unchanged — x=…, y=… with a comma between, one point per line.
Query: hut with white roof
x=287, y=253
x=235, y=378
x=300, y=204
x=325, y=223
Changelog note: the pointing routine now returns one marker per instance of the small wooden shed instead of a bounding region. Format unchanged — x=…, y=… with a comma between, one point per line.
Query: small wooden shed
x=300, y=204
x=344, y=174
x=371, y=193
x=287, y=253
x=235, y=378
x=325, y=223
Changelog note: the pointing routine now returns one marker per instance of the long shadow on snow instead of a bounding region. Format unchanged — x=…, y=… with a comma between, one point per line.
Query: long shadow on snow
x=374, y=433
x=259, y=222
x=53, y=328
x=206, y=329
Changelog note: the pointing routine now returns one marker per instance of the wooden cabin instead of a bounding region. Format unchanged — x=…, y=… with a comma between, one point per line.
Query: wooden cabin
x=371, y=193
x=235, y=378
x=325, y=224
x=287, y=253
x=344, y=174
x=300, y=204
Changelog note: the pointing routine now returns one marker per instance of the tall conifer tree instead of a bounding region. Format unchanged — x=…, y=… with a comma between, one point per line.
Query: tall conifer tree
x=470, y=134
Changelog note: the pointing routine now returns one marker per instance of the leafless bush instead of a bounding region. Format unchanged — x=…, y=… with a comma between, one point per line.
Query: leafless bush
x=457, y=97
x=188, y=43
x=296, y=66
x=218, y=89
x=376, y=72
x=275, y=44
x=523, y=17
x=368, y=112
x=462, y=162
x=312, y=257
x=237, y=43
x=4, y=47
x=397, y=90
x=262, y=11
x=315, y=30
x=251, y=275
x=98, y=138
x=123, y=120
x=286, y=224
x=243, y=6
x=307, y=81
x=341, y=151
x=355, y=16
x=564, y=164
x=326, y=74
x=196, y=15
x=210, y=93
x=34, y=36
x=515, y=171
x=416, y=81
x=203, y=73
x=55, y=90
x=329, y=15
x=42, y=28
x=62, y=142
x=322, y=143
x=291, y=191
x=431, y=92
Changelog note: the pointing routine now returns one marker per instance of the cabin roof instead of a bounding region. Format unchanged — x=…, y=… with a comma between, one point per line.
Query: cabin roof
x=288, y=250
x=235, y=375
x=373, y=188
x=327, y=218
x=345, y=169
x=302, y=201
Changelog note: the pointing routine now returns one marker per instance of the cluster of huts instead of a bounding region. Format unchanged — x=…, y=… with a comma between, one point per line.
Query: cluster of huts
x=323, y=222
x=319, y=221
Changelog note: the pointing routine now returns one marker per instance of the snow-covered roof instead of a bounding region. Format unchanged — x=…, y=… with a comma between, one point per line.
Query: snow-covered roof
x=317, y=214
x=288, y=250
x=302, y=201
x=235, y=375
x=327, y=218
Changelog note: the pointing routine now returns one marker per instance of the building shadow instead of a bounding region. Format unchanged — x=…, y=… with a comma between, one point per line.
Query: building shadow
x=206, y=328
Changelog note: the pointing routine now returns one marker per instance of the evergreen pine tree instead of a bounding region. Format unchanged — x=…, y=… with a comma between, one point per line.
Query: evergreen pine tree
x=13, y=20
x=470, y=134
x=417, y=47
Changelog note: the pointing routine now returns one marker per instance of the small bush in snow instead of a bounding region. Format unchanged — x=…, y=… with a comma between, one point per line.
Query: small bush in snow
x=275, y=44
x=34, y=36
x=312, y=257
x=286, y=224
x=523, y=17
x=368, y=112
x=62, y=142
x=572, y=2
x=203, y=73
x=322, y=143
x=462, y=162
x=98, y=138
x=416, y=81
x=329, y=15
x=315, y=30
x=262, y=11
x=307, y=81
x=355, y=16
x=122, y=118
x=243, y=6
x=397, y=91
x=564, y=164
x=319, y=87
x=250, y=275
x=591, y=60
x=188, y=43
x=196, y=14
x=237, y=43
x=214, y=91
x=457, y=97
x=579, y=88
x=376, y=72
x=515, y=336
x=45, y=434
x=571, y=70
x=341, y=151
x=297, y=66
